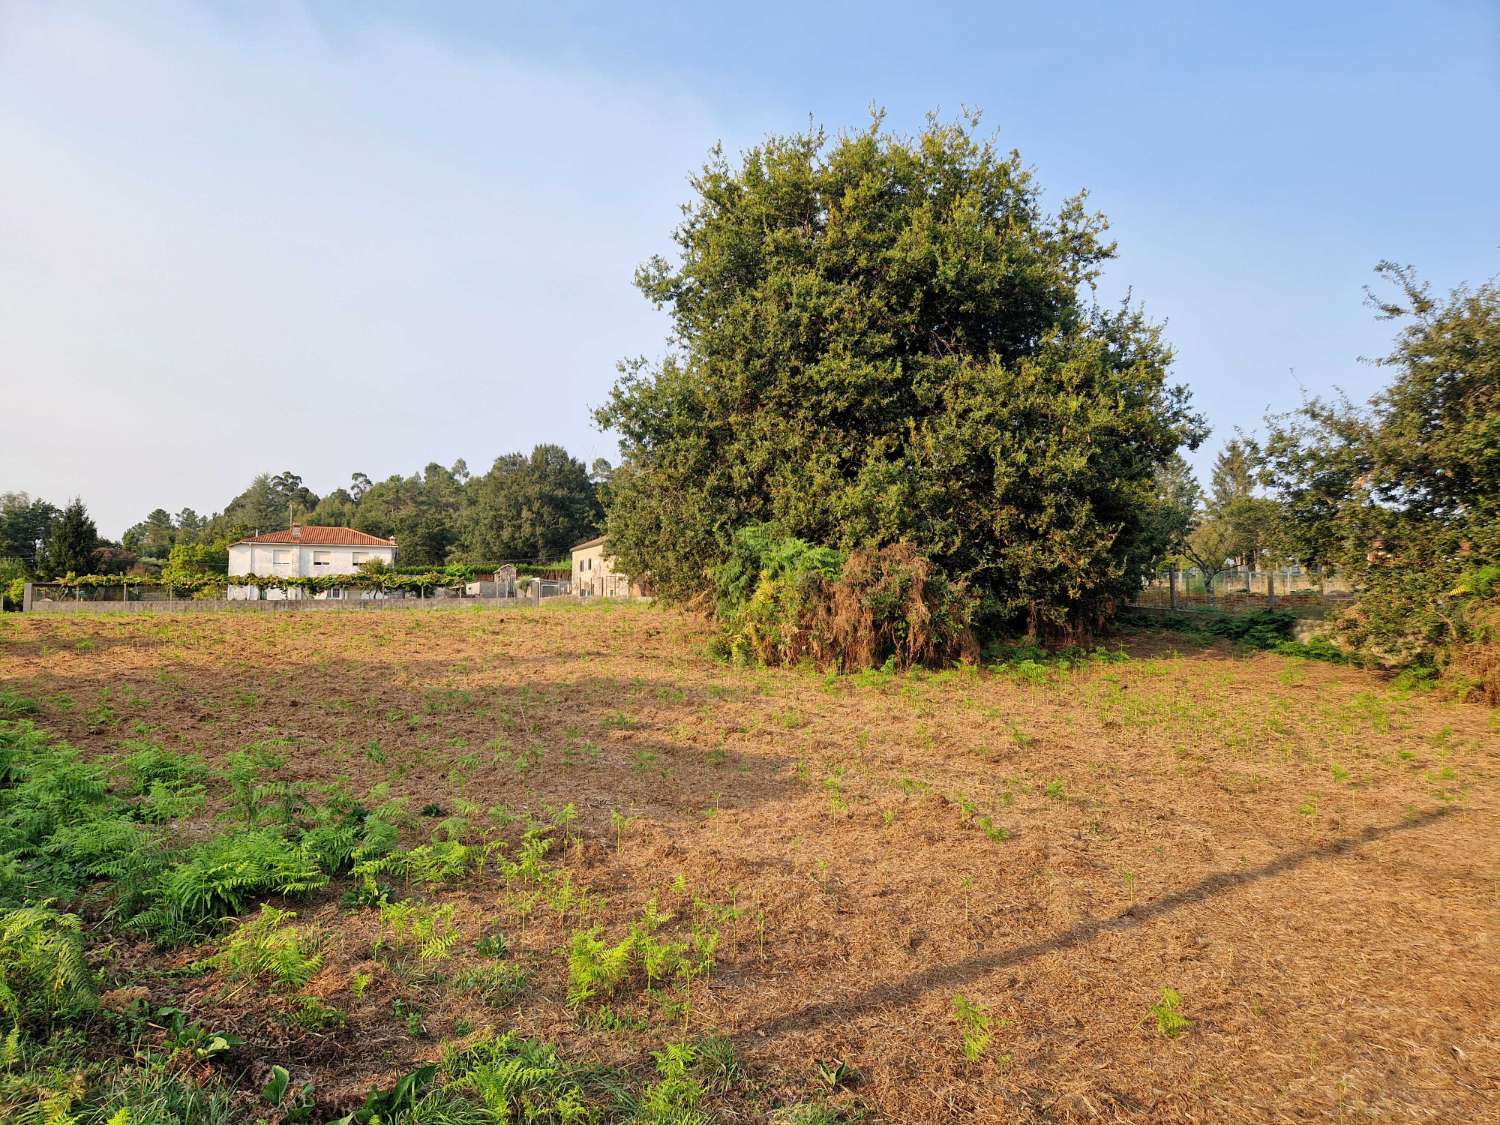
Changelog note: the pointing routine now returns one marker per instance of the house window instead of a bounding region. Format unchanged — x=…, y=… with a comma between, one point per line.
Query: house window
x=281, y=558
x=322, y=558
x=360, y=556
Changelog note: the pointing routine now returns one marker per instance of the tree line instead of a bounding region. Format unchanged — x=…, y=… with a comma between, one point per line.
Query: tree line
x=528, y=507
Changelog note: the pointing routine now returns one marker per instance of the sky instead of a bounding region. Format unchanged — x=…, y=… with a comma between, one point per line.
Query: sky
x=330, y=238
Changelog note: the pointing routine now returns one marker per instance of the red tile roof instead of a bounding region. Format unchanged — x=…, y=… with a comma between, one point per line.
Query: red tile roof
x=312, y=536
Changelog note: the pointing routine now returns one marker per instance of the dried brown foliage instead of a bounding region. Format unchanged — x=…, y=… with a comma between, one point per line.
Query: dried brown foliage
x=890, y=604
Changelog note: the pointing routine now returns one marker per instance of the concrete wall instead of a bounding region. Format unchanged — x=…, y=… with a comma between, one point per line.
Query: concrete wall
x=189, y=605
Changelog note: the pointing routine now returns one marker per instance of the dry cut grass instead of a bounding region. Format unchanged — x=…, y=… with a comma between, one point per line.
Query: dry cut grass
x=1183, y=884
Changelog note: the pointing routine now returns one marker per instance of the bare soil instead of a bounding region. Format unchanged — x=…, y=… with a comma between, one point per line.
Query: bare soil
x=1308, y=854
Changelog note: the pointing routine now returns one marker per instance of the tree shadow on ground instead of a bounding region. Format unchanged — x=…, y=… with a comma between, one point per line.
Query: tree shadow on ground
x=949, y=976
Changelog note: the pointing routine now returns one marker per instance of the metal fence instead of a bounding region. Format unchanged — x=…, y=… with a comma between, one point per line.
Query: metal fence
x=1245, y=590
x=145, y=597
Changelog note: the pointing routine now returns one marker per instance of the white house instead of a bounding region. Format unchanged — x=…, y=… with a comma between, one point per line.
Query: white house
x=304, y=550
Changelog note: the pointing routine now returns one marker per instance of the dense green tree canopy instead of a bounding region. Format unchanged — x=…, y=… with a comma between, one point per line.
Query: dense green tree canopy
x=25, y=526
x=1403, y=494
x=70, y=549
x=532, y=507
x=270, y=502
x=880, y=338
x=154, y=536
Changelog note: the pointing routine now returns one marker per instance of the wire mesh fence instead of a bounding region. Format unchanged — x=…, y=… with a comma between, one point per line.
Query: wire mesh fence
x=1246, y=590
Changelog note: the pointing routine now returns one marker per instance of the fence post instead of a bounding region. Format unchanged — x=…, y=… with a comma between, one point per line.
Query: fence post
x=1271, y=588
x=26, y=596
x=1172, y=587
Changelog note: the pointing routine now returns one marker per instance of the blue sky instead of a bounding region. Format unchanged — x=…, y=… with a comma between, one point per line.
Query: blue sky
x=337, y=237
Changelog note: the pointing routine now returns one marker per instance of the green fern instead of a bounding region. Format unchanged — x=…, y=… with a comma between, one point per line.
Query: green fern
x=165, y=802
x=148, y=764
x=430, y=929
x=222, y=876
x=20, y=743
x=267, y=949
x=43, y=974
x=974, y=1023
x=674, y=1099
x=1169, y=1019
x=522, y=1080
x=596, y=968
x=13, y=703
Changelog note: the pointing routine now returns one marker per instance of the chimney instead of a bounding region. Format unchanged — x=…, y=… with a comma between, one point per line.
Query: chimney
x=296, y=531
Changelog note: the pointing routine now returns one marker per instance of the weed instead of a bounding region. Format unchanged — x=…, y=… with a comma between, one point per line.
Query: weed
x=294, y=1105
x=44, y=976
x=267, y=950
x=974, y=1024
x=833, y=786
x=1169, y=1019
x=183, y=1034
x=411, y=1015
x=491, y=945
x=497, y=985
x=391, y=1104
x=836, y=1074
x=428, y=928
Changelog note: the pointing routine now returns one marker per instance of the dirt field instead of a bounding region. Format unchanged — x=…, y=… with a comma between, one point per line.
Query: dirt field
x=1307, y=854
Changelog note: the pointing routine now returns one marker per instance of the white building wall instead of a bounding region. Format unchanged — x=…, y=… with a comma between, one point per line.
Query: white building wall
x=297, y=560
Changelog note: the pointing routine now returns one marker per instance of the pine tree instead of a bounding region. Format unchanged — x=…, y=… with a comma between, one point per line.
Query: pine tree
x=1233, y=476
x=70, y=550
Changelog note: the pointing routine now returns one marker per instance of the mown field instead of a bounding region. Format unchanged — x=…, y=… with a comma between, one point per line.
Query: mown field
x=591, y=874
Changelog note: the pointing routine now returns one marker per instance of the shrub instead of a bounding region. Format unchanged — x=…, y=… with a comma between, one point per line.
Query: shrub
x=1472, y=667
x=781, y=600
x=14, y=593
x=1401, y=493
x=1265, y=628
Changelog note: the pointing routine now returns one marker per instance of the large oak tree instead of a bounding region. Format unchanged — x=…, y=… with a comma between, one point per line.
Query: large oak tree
x=880, y=338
